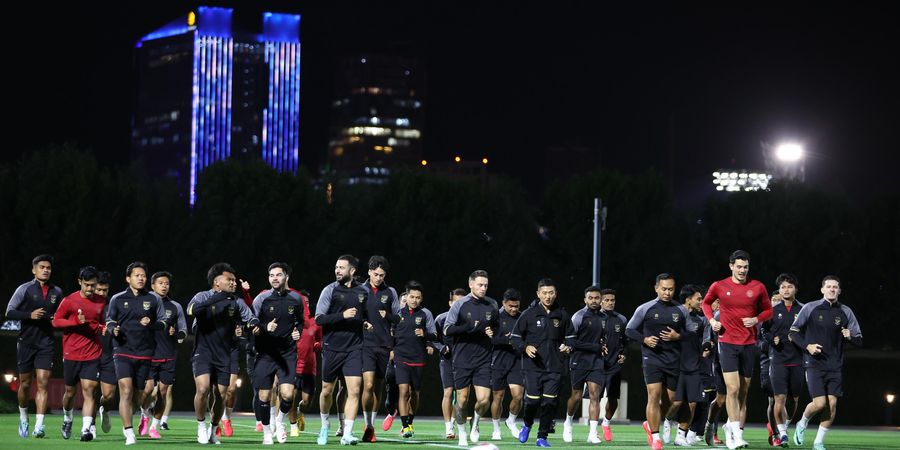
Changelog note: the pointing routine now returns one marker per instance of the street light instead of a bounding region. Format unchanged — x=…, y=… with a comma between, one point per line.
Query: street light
x=889, y=408
x=789, y=152
x=457, y=159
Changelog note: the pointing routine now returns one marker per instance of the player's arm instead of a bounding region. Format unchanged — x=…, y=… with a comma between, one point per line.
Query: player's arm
x=452, y=327
x=635, y=328
x=706, y=306
x=323, y=317
x=573, y=340
x=519, y=333
x=797, y=334
x=64, y=317
x=852, y=332
x=15, y=309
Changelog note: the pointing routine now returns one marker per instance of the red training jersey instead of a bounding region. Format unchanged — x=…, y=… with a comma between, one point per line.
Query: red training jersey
x=81, y=341
x=309, y=344
x=737, y=301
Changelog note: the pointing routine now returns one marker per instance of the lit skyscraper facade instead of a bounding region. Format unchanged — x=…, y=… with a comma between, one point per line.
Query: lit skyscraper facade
x=208, y=93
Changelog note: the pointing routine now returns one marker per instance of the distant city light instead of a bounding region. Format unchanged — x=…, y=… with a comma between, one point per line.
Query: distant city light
x=484, y=161
x=424, y=162
x=457, y=159
x=789, y=152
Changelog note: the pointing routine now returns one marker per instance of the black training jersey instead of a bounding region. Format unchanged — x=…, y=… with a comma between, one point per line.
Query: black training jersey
x=216, y=316
x=694, y=339
x=589, y=327
x=167, y=344
x=126, y=310
x=286, y=308
x=650, y=319
x=466, y=323
x=384, y=298
x=820, y=322
x=340, y=334
x=785, y=352
x=615, y=340
x=28, y=297
x=504, y=355
x=442, y=344
x=409, y=348
x=546, y=331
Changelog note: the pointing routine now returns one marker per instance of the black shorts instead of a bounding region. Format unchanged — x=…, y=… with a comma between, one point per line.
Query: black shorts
x=219, y=374
x=690, y=388
x=446, y=367
x=108, y=370
x=80, y=370
x=539, y=385
x=305, y=383
x=579, y=377
x=30, y=358
x=235, y=365
x=163, y=371
x=613, y=384
x=335, y=364
x=737, y=358
x=824, y=382
x=375, y=359
x=411, y=375
x=668, y=377
x=464, y=377
x=504, y=376
x=765, y=383
x=267, y=366
x=136, y=369
x=720, y=380
x=786, y=380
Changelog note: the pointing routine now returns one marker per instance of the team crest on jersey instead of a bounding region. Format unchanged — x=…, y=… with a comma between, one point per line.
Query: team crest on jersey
x=555, y=323
x=590, y=323
x=820, y=317
x=384, y=299
x=837, y=320
x=618, y=328
x=779, y=315
x=655, y=316
x=361, y=297
x=271, y=309
x=675, y=317
x=125, y=305
x=168, y=313
x=538, y=323
x=53, y=299
x=147, y=306
x=290, y=309
x=749, y=293
x=488, y=315
x=418, y=321
x=230, y=310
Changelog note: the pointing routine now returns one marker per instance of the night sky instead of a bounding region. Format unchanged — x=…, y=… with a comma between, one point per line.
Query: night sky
x=506, y=81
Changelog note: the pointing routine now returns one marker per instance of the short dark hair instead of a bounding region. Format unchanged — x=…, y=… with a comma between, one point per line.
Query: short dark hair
x=88, y=273
x=511, y=294
x=738, y=254
x=546, y=282
x=593, y=288
x=280, y=265
x=414, y=285
x=42, y=257
x=161, y=274
x=458, y=291
x=607, y=291
x=789, y=277
x=831, y=278
x=135, y=265
x=103, y=277
x=351, y=260
x=478, y=273
x=688, y=291
x=376, y=261
x=664, y=276
x=216, y=270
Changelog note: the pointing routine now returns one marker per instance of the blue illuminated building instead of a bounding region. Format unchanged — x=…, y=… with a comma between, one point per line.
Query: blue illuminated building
x=207, y=92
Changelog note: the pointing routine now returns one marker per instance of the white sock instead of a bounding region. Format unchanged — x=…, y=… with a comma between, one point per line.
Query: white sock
x=448, y=427
x=201, y=423
x=67, y=415
x=605, y=422
x=569, y=420
x=279, y=418
x=496, y=423
x=737, y=431
x=512, y=418
x=372, y=415
x=366, y=418
x=273, y=411
x=23, y=413
x=782, y=429
x=461, y=428
x=787, y=424
x=348, y=427
x=225, y=414
x=691, y=435
x=475, y=419
x=820, y=435
x=39, y=420
x=86, y=422
x=129, y=433
x=165, y=419
x=324, y=417
x=804, y=421
x=680, y=433
x=154, y=424
x=593, y=427
x=655, y=436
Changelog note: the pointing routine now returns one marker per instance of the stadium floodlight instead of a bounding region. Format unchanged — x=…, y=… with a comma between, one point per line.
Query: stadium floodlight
x=740, y=181
x=789, y=152
x=889, y=398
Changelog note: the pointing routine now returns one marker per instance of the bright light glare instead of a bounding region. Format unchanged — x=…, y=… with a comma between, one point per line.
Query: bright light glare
x=789, y=152
x=889, y=398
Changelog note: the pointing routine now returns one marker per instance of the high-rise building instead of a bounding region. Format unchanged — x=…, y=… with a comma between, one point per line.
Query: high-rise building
x=207, y=92
x=377, y=117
